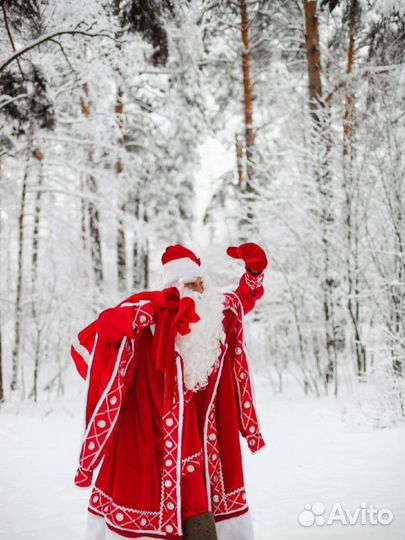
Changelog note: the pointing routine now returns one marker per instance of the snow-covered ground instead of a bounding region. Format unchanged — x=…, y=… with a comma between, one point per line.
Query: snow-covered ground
x=312, y=457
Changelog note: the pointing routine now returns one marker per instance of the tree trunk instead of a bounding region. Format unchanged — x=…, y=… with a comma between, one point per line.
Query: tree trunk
x=146, y=258
x=121, y=253
x=313, y=54
x=37, y=212
x=320, y=140
x=83, y=211
x=239, y=160
x=397, y=293
x=119, y=166
x=140, y=253
x=94, y=229
x=93, y=215
x=136, y=252
x=20, y=269
x=246, y=170
x=34, y=392
x=350, y=189
x=34, y=271
x=247, y=95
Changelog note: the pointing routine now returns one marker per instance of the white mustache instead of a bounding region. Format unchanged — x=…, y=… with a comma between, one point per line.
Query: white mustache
x=200, y=348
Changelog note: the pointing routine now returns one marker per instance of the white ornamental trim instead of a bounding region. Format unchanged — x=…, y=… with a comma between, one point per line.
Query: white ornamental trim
x=206, y=424
x=98, y=407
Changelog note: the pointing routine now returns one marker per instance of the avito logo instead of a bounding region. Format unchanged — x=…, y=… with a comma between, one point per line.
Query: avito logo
x=314, y=514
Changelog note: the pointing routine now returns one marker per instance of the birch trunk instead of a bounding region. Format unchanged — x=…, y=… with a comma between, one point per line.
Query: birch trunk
x=20, y=268
x=93, y=214
x=140, y=253
x=38, y=155
x=121, y=252
x=94, y=229
x=396, y=290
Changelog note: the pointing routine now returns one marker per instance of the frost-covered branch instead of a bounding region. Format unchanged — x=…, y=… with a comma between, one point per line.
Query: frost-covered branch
x=20, y=52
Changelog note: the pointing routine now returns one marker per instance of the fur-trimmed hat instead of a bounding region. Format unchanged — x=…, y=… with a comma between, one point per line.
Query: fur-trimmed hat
x=180, y=263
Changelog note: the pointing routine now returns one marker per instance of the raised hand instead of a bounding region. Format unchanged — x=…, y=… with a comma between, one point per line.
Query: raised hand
x=253, y=255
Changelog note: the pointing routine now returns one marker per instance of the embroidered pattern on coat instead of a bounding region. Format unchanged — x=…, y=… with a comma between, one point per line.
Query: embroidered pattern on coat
x=248, y=416
x=218, y=499
x=167, y=520
x=236, y=500
x=142, y=317
x=170, y=516
x=106, y=413
x=254, y=282
x=191, y=463
x=121, y=516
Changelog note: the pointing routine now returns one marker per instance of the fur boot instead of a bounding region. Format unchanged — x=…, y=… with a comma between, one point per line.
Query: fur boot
x=200, y=527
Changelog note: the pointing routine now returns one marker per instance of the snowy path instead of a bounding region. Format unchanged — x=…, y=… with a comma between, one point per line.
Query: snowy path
x=311, y=457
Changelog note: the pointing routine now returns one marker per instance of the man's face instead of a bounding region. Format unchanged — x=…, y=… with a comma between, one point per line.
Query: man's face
x=197, y=285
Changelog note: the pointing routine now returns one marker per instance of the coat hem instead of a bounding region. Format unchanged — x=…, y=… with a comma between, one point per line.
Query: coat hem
x=230, y=515
x=156, y=534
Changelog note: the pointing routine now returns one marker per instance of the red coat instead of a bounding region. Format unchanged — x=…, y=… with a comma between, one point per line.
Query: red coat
x=150, y=433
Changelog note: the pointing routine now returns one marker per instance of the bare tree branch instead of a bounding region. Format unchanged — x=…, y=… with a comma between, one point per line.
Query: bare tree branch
x=43, y=39
x=7, y=100
x=64, y=54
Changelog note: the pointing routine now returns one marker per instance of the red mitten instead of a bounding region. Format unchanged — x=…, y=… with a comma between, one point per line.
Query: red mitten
x=254, y=256
x=185, y=316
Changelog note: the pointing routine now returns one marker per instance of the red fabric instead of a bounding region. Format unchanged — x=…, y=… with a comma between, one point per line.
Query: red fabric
x=133, y=412
x=168, y=299
x=163, y=343
x=179, y=252
x=252, y=254
x=173, y=315
x=113, y=324
x=79, y=361
x=83, y=478
x=86, y=337
x=194, y=499
x=186, y=315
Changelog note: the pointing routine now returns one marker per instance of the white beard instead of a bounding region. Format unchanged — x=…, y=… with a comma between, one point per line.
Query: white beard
x=200, y=349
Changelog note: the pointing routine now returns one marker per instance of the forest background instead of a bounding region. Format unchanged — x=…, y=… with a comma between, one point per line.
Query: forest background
x=129, y=125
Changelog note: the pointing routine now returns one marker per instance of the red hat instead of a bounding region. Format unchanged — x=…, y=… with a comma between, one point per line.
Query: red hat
x=180, y=263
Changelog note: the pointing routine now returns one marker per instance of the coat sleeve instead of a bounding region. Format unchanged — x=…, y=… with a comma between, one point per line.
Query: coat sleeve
x=124, y=321
x=248, y=420
x=250, y=290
